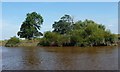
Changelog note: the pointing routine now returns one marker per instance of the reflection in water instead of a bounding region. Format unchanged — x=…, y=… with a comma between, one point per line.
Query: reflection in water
x=30, y=57
x=67, y=58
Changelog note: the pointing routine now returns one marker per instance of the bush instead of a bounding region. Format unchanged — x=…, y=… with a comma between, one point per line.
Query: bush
x=44, y=42
x=12, y=42
x=86, y=33
x=53, y=39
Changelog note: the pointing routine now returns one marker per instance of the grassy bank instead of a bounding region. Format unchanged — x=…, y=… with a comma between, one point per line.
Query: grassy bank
x=2, y=43
x=28, y=43
x=22, y=43
x=37, y=41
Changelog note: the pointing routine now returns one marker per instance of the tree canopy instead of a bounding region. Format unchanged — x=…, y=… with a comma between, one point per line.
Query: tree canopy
x=63, y=25
x=31, y=26
x=66, y=32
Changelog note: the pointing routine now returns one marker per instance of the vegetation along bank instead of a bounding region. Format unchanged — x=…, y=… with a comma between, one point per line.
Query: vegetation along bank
x=66, y=32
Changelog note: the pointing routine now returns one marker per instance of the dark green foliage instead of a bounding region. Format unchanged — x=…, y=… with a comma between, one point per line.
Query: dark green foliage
x=80, y=33
x=31, y=26
x=44, y=42
x=118, y=37
x=50, y=38
x=53, y=39
x=63, y=25
x=12, y=42
x=110, y=38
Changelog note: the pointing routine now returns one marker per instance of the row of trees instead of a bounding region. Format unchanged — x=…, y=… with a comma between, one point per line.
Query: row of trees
x=66, y=32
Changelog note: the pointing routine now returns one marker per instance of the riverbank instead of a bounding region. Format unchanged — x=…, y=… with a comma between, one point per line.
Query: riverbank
x=34, y=43
x=2, y=43
x=23, y=43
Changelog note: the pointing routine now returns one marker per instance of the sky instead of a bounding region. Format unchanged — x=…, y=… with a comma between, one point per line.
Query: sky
x=14, y=13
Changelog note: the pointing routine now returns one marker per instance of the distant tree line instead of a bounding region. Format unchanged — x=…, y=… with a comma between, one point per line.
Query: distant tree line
x=67, y=32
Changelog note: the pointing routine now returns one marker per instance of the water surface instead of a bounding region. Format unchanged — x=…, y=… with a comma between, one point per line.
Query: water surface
x=56, y=58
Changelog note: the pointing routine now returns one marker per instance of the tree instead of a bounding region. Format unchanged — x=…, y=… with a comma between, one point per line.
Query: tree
x=101, y=26
x=80, y=33
x=31, y=26
x=109, y=38
x=63, y=25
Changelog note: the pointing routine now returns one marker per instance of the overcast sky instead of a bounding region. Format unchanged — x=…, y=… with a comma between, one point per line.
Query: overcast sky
x=14, y=13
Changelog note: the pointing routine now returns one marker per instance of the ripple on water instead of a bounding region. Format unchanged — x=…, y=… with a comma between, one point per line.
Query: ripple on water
x=104, y=58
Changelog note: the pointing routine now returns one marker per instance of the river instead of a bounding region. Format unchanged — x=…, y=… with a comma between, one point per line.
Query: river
x=58, y=58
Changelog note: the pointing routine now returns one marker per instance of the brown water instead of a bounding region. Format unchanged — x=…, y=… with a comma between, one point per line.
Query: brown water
x=67, y=58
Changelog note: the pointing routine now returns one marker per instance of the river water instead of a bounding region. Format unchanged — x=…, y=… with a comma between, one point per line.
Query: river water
x=56, y=58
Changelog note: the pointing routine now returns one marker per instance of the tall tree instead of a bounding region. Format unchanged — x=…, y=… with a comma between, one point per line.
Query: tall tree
x=63, y=25
x=31, y=26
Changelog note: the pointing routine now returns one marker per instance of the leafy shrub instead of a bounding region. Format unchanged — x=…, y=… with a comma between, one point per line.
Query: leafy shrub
x=44, y=42
x=12, y=42
x=53, y=39
x=81, y=33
